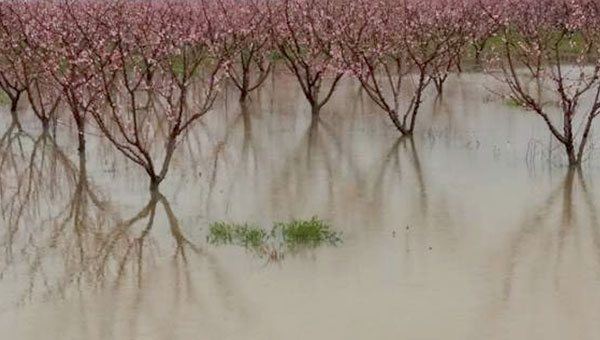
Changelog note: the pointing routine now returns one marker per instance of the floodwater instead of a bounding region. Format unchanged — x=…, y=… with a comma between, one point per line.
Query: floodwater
x=470, y=230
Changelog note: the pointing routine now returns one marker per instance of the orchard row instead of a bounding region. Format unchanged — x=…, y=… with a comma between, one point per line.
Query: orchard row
x=142, y=69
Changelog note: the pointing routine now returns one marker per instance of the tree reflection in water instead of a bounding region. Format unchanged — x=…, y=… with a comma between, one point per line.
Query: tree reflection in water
x=61, y=234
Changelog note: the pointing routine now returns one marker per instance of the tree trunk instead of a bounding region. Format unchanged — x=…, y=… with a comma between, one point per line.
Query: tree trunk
x=80, y=122
x=154, y=183
x=243, y=95
x=394, y=117
x=574, y=161
x=439, y=85
x=45, y=125
x=315, y=109
x=82, y=168
x=418, y=100
x=14, y=102
x=477, y=55
x=15, y=117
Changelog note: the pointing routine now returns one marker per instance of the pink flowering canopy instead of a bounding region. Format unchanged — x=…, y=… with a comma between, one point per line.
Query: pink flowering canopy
x=145, y=70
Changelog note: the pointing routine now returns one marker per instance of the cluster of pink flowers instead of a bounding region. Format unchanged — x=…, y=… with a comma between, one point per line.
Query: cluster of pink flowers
x=107, y=61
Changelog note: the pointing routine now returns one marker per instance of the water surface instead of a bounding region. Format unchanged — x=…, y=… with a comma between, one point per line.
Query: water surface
x=469, y=230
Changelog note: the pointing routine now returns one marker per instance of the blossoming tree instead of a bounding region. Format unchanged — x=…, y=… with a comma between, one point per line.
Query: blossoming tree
x=554, y=45
x=387, y=44
x=305, y=33
x=160, y=73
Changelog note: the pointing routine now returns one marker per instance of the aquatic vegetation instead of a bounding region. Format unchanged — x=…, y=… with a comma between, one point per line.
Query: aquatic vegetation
x=306, y=233
x=283, y=238
x=239, y=234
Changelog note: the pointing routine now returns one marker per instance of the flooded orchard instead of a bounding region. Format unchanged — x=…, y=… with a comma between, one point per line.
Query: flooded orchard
x=468, y=230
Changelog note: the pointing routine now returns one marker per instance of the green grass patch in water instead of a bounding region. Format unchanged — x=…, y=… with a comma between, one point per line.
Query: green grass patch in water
x=283, y=238
x=308, y=233
x=239, y=234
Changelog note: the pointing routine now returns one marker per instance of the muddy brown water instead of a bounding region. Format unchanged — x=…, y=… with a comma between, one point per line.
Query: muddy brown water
x=471, y=230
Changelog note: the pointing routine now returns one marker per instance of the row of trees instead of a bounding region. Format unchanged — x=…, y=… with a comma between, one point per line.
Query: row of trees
x=145, y=71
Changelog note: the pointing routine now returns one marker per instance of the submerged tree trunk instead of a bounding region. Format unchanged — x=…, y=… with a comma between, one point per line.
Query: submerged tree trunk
x=154, y=184
x=156, y=179
x=15, y=118
x=14, y=103
x=573, y=160
x=406, y=124
x=243, y=95
x=82, y=167
x=45, y=125
x=315, y=109
x=397, y=123
x=439, y=84
x=80, y=122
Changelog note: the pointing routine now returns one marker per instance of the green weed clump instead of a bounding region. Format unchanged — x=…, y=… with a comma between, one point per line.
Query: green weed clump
x=308, y=233
x=284, y=237
x=239, y=234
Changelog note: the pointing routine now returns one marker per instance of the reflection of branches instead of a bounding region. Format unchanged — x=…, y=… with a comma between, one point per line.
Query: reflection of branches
x=87, y=248
x=127, y=253
x=49, y=172
x=248, y=153
x=532, y=224
x=221, y=147
x=86, y=245
x=306, y=164
x=594, y=221
x=537, y=253
x=248, y=145
x=11, y=152
x=32, y=179
x=319, y=139
x=392, y=158
x=419, y=173
x=181, y=241
x=561, y=199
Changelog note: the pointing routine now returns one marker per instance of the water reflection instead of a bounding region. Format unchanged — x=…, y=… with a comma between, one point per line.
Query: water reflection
x=61, y=234
x=451, y=227
x=558, y=214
